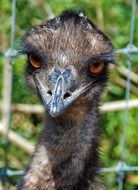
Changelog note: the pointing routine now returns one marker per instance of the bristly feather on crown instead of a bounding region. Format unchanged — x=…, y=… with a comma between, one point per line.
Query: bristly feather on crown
x=77, y=17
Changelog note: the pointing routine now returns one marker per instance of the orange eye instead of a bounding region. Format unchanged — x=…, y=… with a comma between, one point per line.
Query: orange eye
x=96, y=67
x=34, y=62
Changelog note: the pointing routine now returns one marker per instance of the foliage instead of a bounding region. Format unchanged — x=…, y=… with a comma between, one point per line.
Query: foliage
x=113, y=17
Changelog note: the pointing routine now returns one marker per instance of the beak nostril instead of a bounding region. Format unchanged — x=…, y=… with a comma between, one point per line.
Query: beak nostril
x=67, y=95
x=49, y=92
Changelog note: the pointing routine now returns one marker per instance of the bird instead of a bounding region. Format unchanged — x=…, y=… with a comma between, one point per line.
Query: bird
x=67, y=66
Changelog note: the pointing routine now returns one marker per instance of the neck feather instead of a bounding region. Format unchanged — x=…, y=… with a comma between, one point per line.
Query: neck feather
x=66, y=156
x=72, y=141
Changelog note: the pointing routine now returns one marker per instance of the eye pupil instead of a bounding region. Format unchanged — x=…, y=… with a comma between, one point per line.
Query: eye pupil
x=96, y=67
x=35, y=62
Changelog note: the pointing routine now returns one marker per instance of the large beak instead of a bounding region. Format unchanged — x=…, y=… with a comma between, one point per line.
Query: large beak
x=57, y=102
x=56, y=105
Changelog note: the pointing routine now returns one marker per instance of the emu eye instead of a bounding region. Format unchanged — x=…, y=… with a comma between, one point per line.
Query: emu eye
x=96, y=67
x=35, y=62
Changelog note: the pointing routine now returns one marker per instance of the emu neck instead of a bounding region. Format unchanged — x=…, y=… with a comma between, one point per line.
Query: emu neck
x=71, y=142
x=66, y=156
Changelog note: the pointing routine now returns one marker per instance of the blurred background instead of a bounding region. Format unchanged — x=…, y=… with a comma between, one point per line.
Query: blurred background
x=20, y=128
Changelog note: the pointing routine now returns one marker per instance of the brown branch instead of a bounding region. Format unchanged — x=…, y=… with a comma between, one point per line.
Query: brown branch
x=124, y=71
x=106, y=107
x=122, y=83
x=119, y=105
x=17, y=140
x=26, y=108
x=99, y=14
x=132, y=179
x=49, y=11
x=28, y=147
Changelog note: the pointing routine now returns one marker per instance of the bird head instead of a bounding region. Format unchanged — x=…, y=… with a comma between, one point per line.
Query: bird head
x=67, y=61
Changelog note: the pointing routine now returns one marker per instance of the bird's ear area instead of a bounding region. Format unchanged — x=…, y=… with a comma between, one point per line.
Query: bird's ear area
x=34, y=55
x=97, y=64
x=34, y=61
x=96, y=67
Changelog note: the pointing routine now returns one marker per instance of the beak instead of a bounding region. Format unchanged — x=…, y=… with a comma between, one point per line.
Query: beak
x=59, y=100
x=56, y=105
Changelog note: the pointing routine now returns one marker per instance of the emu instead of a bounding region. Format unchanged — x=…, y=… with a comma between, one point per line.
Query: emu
x=67, y=66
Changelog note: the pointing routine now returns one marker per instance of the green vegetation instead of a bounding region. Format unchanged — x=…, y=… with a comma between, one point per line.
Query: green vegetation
x=113, y=17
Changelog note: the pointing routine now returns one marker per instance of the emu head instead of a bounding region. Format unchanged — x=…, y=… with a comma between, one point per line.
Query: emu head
x=67, y=61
